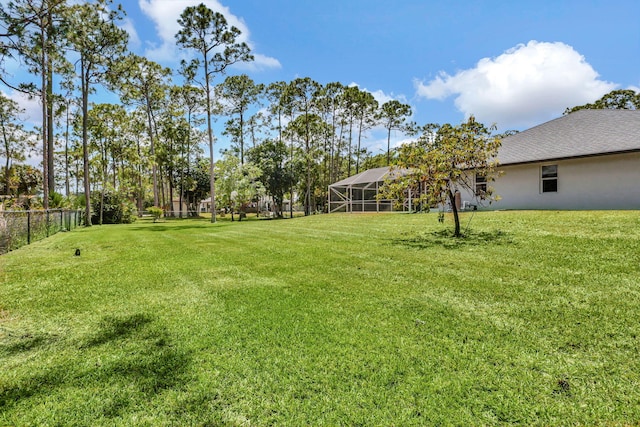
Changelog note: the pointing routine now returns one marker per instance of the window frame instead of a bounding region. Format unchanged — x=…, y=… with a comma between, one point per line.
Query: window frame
x=549, y=179
x=480, y=185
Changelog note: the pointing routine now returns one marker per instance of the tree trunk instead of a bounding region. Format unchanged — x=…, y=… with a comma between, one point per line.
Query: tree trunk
x=7, y=149
x=350, y=146
x=389, y=146
x=181, y=189
x=171, y=211
x=241, y=139
x=140, y=186
x=50, y=146
x=101, y=220
x=85, y=149
x=45, y=146
x=66, y=154
x=154, y=168
x=7, y=176
x=454, y=209
x=291, y=188
x=337, y=174
x=359, y=144
x=114, y=168
x=163, y=202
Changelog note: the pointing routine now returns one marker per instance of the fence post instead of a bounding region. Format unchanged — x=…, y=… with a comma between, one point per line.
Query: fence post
x=28, y=227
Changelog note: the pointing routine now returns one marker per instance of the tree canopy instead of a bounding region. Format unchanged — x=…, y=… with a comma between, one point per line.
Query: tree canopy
x=621, y=99
x=302, y=135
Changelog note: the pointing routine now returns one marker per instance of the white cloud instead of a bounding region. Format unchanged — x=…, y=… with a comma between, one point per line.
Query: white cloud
x=30, y=117
x=32, y=109
x=129, y=27
x=165, y=14
x=377, y=141
x=380, y=95
x=260, y=62
x=526, y=85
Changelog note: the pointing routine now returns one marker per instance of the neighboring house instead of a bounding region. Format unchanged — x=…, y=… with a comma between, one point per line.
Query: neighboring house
x=358, y=193
x=205, y=205
x=589, y=159
x=176, y=207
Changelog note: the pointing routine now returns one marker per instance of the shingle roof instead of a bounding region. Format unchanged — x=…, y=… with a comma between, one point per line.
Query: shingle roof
x=579, y=134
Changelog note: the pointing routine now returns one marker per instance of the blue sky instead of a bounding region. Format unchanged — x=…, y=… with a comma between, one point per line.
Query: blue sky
x=512, y=63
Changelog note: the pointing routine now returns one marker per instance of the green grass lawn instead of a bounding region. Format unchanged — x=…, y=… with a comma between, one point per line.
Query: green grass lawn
x=533, y=319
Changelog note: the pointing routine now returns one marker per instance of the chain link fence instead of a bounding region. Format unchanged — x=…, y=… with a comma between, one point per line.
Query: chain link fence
x=19, y=228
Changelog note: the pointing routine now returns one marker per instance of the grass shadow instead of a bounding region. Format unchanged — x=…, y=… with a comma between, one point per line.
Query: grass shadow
x=445, y=239
x=159, y=365
x=139, y=359
x=180, y=225
x=24, y=343
x=169, y=226
x=39, y=383
x=112, y=328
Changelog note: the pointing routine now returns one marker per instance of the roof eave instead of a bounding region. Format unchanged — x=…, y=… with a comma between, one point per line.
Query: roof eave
x=557, y=159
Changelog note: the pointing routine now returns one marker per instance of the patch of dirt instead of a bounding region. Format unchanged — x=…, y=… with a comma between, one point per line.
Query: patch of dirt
x=4, y=316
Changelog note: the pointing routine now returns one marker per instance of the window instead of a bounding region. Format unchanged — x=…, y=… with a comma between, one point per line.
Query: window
x=549, y=179
x=481, y=185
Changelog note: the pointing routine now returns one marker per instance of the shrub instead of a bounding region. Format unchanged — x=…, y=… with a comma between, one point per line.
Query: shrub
x=156, y=212
x=117, y=208
x=78, y=202
x=56, y=200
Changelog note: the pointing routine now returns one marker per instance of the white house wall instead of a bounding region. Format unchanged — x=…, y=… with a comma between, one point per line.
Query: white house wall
x=602, y=182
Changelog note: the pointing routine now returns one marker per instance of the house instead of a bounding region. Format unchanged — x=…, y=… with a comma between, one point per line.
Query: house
x=205, y=205
x=175, y=204
x=589, y=159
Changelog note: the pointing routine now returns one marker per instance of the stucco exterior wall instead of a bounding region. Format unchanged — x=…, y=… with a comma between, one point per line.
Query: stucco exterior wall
x=602, y=182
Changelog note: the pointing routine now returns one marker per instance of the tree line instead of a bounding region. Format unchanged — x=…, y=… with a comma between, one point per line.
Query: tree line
x=286, y=139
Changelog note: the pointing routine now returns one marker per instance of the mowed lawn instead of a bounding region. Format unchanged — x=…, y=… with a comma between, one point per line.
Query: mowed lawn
x=533, y=319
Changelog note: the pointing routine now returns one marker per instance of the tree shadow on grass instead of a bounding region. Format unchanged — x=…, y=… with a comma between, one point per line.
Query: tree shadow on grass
x=112, y=328
x=172, y=227
x=134, y=356
x=445, y=239
x=24, y=342
x=178, y=225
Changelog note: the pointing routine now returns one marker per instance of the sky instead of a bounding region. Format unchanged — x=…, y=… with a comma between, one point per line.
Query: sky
x=512, y=63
